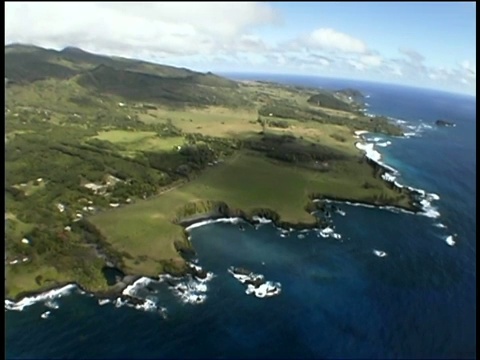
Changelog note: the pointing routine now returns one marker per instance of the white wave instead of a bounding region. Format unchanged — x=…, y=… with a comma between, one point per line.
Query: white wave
x=376, y=139
x=163, y=311
x=360, y=132
x=341, y=212
x=428, y=210
x=384, y=144
x=244, y=278
x=389, y=208
x=388, y=177
x=374, y=155
x=419, y=191
x=102, y=302
x=196, y=267
x=449, y=240
x=119, y=302
x=51, y=304
x=267, y=289
x=369, y=150
x=132, y=289
x=49, y=295
x=182, y=290
x=148, y=305
x=164, y=277
x=440, y=225
x=45, y=315
x=190, y=292
x=198, y=224
x=261, y=220
x=397, y=184
x=417, y=129
x=425, y=198
x=379, y=253
x=189, y=289
x=326, y=232
x=232, y=220
x=208, y=277
x=301, y=236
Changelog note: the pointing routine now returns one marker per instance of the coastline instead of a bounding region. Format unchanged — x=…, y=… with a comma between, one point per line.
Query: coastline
x=221, y=211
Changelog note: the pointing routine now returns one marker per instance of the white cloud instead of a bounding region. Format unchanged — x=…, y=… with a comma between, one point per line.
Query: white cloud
x=412, y=55
x=330, y=39
x=469, y=69
x=208, y=35
x=395, y=69
x=250, y=43
x=371, y=60
x=323, y=62
x=133, y=29
x=357, y=64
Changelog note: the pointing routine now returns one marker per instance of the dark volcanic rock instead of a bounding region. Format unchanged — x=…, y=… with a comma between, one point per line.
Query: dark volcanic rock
x=200, y=274
x=446, y=123
x=170, y=283
x=241, y=271
x=255, y=282
x=132, y=300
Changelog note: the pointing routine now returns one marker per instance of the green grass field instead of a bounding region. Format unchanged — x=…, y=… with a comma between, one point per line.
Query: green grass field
x=212, y=121
x=140, y=140
x=244, y=182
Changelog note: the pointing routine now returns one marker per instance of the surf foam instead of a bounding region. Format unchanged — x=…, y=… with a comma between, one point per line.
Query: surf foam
x=449, y=240
x=379, y=253
x=260, y=288
x=232, y=220
x=265, y=290
x=44, y=297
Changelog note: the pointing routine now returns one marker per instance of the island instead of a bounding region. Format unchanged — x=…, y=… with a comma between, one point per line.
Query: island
x=108, y=159
x=445, y=123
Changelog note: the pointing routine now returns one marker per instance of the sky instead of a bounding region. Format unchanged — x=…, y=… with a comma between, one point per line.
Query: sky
x=422, y=44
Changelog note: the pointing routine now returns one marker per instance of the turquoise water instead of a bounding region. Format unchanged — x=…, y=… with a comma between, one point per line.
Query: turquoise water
x=338, y=299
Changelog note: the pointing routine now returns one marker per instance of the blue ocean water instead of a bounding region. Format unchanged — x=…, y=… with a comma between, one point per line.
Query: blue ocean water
x=338, y=299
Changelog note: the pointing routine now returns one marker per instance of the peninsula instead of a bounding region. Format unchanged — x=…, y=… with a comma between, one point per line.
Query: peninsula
x=107, y=157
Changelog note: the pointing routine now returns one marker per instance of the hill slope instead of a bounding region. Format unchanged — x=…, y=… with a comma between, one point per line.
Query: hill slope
x=130, y=79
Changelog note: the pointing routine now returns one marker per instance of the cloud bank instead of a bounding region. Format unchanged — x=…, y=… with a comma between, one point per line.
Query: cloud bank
x=226, y=36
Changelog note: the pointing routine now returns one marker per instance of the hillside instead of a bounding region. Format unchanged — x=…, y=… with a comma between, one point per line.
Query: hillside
x=130, y=79
x=104, y=157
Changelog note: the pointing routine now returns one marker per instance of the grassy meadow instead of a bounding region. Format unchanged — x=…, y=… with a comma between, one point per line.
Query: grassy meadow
x=245, y=181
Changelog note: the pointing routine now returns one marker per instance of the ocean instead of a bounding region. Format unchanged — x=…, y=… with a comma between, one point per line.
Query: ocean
x=338, y=298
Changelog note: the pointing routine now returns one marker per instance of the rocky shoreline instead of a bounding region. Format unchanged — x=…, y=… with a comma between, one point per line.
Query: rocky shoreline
x=418, y=202
x=119, y=294
x=256, y=283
